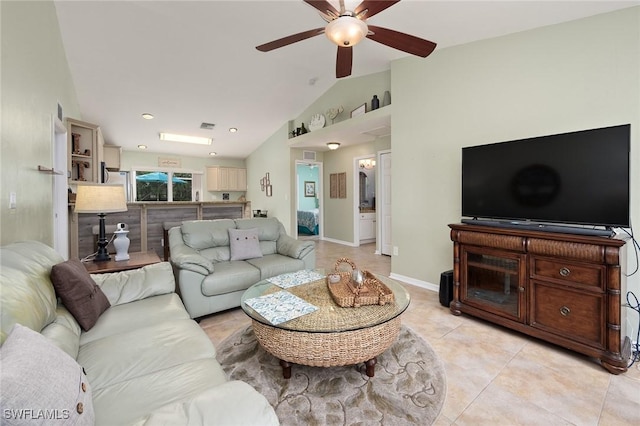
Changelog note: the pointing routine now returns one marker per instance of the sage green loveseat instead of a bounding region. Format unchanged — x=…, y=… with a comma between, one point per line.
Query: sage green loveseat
x=210, y=281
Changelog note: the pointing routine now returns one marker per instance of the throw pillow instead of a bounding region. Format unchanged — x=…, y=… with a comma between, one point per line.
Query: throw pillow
x=78, y=292
x=244, y=244
x=41, y=383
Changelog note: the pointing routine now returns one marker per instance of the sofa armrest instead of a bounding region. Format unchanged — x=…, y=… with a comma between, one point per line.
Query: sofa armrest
x=136, y=284
x=185, y=257
x=289, y=246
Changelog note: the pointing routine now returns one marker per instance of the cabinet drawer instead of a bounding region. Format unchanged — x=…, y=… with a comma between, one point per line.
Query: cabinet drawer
x=569, y=313
x=569, y=272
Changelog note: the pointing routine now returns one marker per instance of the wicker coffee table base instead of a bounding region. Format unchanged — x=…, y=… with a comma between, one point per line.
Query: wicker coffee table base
x=327, y=349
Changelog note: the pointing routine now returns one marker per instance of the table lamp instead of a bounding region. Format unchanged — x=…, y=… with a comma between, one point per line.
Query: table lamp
x=100, y=199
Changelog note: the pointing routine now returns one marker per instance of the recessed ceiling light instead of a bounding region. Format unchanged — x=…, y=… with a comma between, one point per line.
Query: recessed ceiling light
x=185, y=138
x=147, y=116
x=142, y=147
x=233, y=129
x=213, y=154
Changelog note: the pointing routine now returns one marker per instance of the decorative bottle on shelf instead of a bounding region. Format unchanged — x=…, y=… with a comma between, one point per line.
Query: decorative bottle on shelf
x=303, y=129
x=375, y=102
x=386, y=99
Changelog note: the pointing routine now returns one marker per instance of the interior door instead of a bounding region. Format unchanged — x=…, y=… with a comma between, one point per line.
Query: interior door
x=386, y=242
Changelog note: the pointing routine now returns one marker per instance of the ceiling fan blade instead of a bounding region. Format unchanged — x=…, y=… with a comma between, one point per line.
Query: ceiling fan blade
x=344, y=59
x=373, y=7
x=401, y=41
x=323, y=6
x=294, y=38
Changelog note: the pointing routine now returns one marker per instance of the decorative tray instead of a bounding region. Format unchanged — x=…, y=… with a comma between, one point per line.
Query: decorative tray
x=348, y=293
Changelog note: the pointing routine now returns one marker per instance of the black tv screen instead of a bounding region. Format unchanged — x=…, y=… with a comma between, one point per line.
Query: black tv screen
x=571, y=178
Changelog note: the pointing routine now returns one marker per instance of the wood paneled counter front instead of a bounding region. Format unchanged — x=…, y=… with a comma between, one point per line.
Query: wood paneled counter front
x=145, y=223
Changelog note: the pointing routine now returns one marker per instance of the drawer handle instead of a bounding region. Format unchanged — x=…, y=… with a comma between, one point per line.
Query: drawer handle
x=564, y=311
x=564, y=271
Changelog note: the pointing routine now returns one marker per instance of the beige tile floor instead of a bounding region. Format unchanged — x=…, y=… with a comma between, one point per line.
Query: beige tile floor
x=494, y=376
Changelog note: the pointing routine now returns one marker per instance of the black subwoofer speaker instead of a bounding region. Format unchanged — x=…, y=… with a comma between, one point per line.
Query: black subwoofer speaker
x=446, y=288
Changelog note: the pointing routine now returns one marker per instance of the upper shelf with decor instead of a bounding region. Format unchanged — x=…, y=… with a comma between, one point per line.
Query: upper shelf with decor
x=353, y=131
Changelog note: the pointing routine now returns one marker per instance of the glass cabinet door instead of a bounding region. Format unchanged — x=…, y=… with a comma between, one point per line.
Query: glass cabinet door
x=492, y=282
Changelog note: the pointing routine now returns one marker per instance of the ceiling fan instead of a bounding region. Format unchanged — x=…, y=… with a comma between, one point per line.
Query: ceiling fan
x=346, y=28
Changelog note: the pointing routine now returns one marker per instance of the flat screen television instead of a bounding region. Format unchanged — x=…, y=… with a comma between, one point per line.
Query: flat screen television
x=577, y=178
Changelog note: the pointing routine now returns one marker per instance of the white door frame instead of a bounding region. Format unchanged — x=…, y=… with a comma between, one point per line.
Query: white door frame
x=60, y=197
x=319, y=193
x=381, y=201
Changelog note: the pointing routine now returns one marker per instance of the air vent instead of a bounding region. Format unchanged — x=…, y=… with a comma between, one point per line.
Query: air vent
x=207, y=126
x=378, y=131
x=309, y=155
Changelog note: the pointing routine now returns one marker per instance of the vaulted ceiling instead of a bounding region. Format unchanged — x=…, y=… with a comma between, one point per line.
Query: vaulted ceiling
x=189, y=62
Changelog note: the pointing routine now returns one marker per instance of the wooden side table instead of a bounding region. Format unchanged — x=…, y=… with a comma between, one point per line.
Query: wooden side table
x=136, y=260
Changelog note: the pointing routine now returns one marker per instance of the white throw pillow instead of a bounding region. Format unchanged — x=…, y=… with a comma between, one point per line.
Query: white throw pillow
x=244, y=243
x=41, y=384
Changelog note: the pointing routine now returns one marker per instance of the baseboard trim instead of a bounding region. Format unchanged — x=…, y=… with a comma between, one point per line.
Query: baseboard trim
x=344, y=243
x=413, y=281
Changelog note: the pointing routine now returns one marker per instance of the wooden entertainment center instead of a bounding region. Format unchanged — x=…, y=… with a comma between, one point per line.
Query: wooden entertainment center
x=562, y=288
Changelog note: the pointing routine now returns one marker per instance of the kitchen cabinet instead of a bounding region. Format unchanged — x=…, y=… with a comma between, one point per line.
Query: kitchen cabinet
x=367, y=227
x=226, y=179
x=112, y=155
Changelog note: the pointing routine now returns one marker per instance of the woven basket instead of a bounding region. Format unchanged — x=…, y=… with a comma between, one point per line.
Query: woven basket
x=349, y=294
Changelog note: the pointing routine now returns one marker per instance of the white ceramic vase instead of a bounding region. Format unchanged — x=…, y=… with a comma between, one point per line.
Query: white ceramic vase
x=121, y=243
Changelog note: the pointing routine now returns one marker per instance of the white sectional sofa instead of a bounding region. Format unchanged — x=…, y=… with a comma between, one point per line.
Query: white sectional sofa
x=145, y=361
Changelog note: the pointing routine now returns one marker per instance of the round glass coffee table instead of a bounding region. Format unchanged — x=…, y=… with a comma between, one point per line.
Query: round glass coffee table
x=330, y=336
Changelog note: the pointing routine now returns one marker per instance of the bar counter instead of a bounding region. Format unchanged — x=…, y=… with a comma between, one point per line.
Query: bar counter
x=145, y=223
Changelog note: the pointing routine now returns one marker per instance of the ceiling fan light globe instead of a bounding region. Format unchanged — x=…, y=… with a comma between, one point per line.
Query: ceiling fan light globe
x=346, y=31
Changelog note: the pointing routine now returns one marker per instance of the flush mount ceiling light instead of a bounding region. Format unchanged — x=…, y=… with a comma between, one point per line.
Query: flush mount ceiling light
x=346, y=31
x=213, y=154
x=185, y=138
x=142, y=147
x=233, y=129
x=147, y=116
x=333, y=145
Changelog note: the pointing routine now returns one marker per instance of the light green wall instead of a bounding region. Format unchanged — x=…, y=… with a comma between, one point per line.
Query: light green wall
x=349, y=93
x=139, y=159
x=339, y=212
x=578, y=75
x=273, y=157
x=35, y=77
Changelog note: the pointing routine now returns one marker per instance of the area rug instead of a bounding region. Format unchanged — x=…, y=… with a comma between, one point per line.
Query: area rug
x=408, y=388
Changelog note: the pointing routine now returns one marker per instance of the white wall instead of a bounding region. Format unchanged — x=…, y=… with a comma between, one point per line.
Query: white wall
x=35, y=77
x=572, y=76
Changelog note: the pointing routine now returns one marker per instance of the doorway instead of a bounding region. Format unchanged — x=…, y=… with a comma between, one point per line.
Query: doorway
x=309, y=199
x=365, y=190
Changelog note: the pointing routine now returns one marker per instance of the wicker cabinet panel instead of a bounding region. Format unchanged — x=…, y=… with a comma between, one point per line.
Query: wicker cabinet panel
x=566, y=249
x=490, y=240
x=569, y=313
